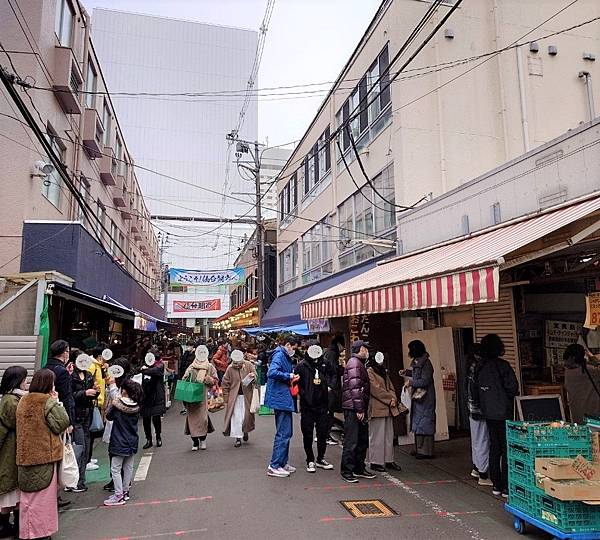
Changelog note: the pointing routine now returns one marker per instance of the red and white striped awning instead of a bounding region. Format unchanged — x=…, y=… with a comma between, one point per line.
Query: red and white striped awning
x=455, y=274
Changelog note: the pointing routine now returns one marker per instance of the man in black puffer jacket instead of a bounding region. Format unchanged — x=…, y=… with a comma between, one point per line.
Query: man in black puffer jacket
x=496, y=385
x=355, y=402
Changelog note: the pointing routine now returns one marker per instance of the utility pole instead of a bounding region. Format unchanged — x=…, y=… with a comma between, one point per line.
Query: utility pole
x=164, y=269
x=244, y=147
x=260, y=276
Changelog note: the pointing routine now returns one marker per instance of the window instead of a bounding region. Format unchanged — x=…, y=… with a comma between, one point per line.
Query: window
x=364, y=215
x=324, y=155
x=101, y=218
x=370, y=121
x=114, y=237
x=63, y=23
x=316, y=252
x=294, y=190
x=84, y=190
x=52, y=184
x=106, y=119
x=119, y=155
x=91, y=85
x=385, y=215
x=288, y=265
x=122, y=242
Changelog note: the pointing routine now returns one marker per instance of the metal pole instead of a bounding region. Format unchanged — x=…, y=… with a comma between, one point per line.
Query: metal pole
x=259, y=238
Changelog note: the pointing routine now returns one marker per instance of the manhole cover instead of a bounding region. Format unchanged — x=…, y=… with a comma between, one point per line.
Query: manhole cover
x=371, y=508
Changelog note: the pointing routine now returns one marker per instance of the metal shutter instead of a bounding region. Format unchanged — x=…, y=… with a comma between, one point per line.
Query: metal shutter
x=499, y=318
x=20, y=351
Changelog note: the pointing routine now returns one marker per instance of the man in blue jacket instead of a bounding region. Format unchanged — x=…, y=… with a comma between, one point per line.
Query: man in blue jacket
x=279, y=398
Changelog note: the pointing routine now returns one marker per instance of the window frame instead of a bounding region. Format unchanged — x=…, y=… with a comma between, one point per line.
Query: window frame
x=106, y=122
x=52, y=184
x=63, y=6
x=91, y=85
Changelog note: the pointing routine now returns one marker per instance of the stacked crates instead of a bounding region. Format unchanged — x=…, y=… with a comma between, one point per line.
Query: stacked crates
x=527, y=441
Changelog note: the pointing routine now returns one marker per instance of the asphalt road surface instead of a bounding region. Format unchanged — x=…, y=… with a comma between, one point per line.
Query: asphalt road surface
x=224, y=492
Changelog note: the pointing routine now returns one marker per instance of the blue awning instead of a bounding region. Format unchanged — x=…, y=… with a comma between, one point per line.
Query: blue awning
x=285, y=310
x=301, y=329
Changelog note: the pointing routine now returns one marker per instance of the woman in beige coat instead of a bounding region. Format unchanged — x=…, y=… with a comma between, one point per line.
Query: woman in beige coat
x=238, y=387
x=383, y=407
x=197, y=422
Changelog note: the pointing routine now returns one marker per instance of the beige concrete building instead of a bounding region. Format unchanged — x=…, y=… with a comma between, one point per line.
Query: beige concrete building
x=442, y=123
x=50, y=46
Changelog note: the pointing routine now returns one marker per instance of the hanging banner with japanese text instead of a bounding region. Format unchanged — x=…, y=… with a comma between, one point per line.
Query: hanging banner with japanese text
x=232, y=276
x=201, y=305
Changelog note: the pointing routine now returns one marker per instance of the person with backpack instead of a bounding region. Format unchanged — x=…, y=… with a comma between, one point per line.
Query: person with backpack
x=496, y=386
x=480, y=439
x=124, y=412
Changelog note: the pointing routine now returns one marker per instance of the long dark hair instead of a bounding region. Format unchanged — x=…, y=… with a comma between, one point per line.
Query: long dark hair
x=13, y=378
x=42, y=381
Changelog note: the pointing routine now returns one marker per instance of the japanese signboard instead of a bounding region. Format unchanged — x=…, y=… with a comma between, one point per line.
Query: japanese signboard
x=190, y=305
x=232, y=276
x=180, y=306
x=560, y=334
x=592, y=304
x=318, y=326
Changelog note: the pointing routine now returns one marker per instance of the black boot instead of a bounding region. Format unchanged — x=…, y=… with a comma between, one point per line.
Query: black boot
x=158, y=441
x=15, y=526
x=147, y=445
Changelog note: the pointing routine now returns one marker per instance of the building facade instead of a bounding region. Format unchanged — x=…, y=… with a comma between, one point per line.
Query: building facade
x=244, y=296
x=272, y=161
x=53, y=49
x=426, y=133
x=183, y=137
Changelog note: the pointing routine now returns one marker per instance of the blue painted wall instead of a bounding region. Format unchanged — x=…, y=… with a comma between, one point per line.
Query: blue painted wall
x=69, y=249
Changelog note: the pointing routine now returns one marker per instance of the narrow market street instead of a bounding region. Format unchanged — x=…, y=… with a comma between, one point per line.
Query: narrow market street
x=223, y=492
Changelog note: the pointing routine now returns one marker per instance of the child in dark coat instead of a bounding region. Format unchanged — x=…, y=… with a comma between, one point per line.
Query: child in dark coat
x=124, y=411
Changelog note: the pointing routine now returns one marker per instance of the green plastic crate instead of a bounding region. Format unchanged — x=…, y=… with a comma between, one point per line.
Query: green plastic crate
x=541, y=435
x=521, y=459
x=567, y=516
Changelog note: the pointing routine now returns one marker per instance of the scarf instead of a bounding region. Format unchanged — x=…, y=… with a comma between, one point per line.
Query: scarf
x=200, y=366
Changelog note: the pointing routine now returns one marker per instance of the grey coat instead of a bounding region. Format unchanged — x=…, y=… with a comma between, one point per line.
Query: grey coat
x=422, y=413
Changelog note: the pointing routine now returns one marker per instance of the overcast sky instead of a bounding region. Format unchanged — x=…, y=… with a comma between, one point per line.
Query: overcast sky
x=308, y=41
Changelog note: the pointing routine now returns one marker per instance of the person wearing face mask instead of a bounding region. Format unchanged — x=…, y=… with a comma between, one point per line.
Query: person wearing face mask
x=186, y=359
x=312, y=384
x=383, y=407
x=334, y=382
x=279, y=398
x=238, y=387
x=355, y=402
x=197, y=422
x=85, y=393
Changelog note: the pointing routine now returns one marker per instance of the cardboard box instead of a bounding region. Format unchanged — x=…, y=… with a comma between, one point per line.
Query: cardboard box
x=556, y=468
x=573, y=490
x=595, y=447
x=586, y=469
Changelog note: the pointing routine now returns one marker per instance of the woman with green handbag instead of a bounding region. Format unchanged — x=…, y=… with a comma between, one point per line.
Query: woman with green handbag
x=197, y=422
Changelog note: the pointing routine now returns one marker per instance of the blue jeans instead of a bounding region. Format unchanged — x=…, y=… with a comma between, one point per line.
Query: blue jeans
x=283, y=434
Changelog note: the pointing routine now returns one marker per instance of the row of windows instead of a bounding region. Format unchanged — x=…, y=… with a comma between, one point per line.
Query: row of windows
x=247, y=291
x=316, y=166
x=369, y=212
x=314, y=169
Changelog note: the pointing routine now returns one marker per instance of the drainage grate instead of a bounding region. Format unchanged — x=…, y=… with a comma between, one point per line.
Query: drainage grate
x=371, y=508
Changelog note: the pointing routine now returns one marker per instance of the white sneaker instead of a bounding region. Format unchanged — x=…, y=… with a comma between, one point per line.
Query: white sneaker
x=311, y=467
x=94, y=460
x=203, y=445
x=289, y=468
x=92, y=466
x=195, y=448
x=278, y=473
x=475, y=473
x=484, y=482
